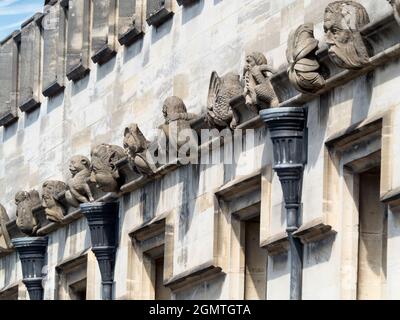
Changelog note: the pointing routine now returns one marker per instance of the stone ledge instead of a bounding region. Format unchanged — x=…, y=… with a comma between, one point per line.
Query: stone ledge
x=29, y=105
x=8, y=118
x=187, y=2
x=276, y=244
x=104, y=55
x=77, y=73
x=53, y=89
x=130, y=36
x=158, y=18
x=313, y=231
x=194, y=276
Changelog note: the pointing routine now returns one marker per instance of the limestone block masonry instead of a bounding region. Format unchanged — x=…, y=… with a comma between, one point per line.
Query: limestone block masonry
x=93, y=92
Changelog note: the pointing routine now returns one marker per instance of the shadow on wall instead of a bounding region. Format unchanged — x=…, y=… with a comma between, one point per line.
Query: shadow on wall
x=55, y=102
x=80, y=85
x=318, y=252
x=192, y=11
x=105, y=69
x=31, y=117
x=161, y=31
x=278, y=266
x=10, y=131
x=133, y=50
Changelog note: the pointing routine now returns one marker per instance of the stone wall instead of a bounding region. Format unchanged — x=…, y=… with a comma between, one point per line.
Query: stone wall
x=66, y=111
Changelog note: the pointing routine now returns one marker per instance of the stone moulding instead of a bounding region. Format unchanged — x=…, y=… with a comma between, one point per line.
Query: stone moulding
x=186, y=2
x=54, y=49
x=30, y=69
x=32, y=253
x=9, y=79
x=78, y=49
x=130, y=21
x=158, y=12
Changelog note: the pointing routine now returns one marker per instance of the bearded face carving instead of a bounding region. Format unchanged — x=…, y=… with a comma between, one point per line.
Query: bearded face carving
x=54, y=210
x=26, y=202
x=342, y=24
x=104, y=171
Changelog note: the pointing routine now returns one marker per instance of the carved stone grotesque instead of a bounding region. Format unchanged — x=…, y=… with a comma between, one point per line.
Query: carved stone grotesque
x=304, y=69
x=78, y=186
x=220, y=114
x=342, y=24
x=259, y=91
x=136, y=147
x=5, y=241
x=103, y=169
x=54, y=210
x=177, y=119
x=26, y=202
x=396, y=8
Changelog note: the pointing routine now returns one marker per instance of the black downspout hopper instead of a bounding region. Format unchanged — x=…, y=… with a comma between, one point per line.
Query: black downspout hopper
x=287, y=130
x=32, y=251
x=102, y=219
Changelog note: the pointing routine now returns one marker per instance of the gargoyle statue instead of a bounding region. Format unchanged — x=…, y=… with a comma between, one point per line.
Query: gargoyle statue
x=177, y=125
x=104, y=171
x=26, y=202
x=136, y=147
x=78, y=186
x=304, y=69
x=259, y=92
x=220, y=113
x=54, y=210
x=343, y=22
x=5, y=241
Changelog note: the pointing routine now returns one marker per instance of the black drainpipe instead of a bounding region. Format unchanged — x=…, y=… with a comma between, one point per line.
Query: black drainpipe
x=286, y=127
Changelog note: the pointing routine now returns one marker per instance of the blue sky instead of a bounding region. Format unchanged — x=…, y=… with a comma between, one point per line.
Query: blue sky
x=14, y=12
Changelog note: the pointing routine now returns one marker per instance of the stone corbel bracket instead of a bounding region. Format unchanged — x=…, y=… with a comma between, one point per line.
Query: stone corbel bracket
x=186, y=2
x=310, y=232
x=158, y=12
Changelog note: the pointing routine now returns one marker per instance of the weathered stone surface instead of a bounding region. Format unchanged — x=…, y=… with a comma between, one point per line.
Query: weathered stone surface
x=78, y=186
x=158, y=11
x=26, y=202
x=104, y=171
x=136, y=147
x=54, y=210
x=221, y=91
x=78, y=41
x=103, y=30
x=259, y=91
x=130, y=21
x=9, y=80
x=304, y=68
x=177, y=127
x=30, y=64
x=54, y=33
x=5, y=240
x=342, y=24
x=396, y=8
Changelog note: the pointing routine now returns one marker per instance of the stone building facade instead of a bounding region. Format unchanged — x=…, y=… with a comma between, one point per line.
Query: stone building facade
x=83, y=88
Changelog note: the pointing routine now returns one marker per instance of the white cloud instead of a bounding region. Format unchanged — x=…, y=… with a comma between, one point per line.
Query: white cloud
x=5, y=3
x=19, y=9
x=11, y=25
